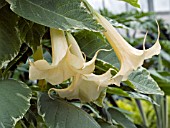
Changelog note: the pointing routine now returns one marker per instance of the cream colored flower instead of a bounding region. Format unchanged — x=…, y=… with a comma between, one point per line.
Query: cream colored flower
x=85, y=87
x=80, y=66
x=67, y=60
x=129, y=57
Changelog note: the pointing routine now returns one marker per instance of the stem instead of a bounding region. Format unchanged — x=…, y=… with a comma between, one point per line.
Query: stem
x=161, y=111
x=142, y=113
x=163, y=100
x=160, y=65
x=156, y=108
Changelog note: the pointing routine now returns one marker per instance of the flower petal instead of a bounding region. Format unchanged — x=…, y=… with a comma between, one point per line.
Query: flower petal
x=38, y=69
x=129, y=57
x=78, y=63
x=54, y=74
x=85, y=87
x=74, y=48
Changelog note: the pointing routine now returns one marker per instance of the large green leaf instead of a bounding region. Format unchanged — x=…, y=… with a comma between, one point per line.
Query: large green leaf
x=163, y=80
x=30, y=33
x=90, y=42
x=63, y=14
x=119, y=117
x=14, y=102
x=58, y=113
x=143, y=82
x=133, y=3
x=9, y=41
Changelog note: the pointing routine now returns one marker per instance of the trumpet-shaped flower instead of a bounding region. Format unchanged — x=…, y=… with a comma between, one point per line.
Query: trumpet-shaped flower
x=67, y=60
x=129, y=57
x=86, y=87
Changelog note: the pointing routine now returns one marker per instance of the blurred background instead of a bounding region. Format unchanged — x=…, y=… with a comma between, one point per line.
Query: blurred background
x=160, y=7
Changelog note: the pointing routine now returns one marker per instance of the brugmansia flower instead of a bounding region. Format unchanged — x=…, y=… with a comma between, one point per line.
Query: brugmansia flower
x=85, y=85
x=129, y=57
x=67, y=60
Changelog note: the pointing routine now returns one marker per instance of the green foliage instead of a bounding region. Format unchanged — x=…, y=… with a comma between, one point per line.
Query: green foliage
x=129, y=94
x=20, y=37
x=30, y=33
x=58, y=113
x=105, y=124
x=131, y=106
x=15, y=100
x=90, y=42
x=165, y=45
x=9, y=41
x=61, y=14
x=144, y=83
x=162, y=78
x=22, y=57
x=119, y=117
x=133, y=3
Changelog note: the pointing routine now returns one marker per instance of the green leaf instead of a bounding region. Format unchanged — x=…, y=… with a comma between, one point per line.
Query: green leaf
x=143, y=82
x=132, y=2
x=61, y=14
x=141, y=97
x=90, y=42
x=30, y=33
x=105, y=124
x=102, y=67
x=120, y=118
x=117, y=91
x=165, y=45
x=129, y=94
x=165, y=56
x=58, y=113
x=14, y=102
x=9, y=41
x=163, y=80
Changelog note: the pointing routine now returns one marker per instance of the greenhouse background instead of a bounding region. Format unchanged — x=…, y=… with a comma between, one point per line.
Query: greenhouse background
x=161, y=7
